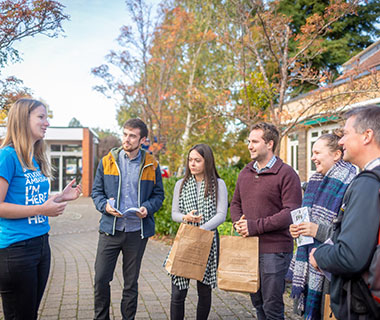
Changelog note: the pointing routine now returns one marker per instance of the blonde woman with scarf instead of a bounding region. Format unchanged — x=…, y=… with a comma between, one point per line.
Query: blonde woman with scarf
x=323, y=195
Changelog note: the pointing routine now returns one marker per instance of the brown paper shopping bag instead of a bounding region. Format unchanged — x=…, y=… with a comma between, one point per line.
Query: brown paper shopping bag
x=189, y=254
x=238, y=268
x=327, y=312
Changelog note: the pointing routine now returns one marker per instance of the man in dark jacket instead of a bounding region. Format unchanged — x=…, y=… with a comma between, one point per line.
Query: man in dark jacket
x=266, y=191
x=358, y=220
x=127, y=191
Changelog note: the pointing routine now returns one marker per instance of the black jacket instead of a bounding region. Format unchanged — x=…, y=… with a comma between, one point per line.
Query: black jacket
x=356, y=237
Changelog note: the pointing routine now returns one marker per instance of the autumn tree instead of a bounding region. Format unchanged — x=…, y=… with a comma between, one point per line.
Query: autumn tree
x=127, y=71
x=346, y=37
x=20, y=19
x=284, y=58
x=11, y=90
x=200, y=80
x=107, y=141
x=75, y=123
x=173, y=77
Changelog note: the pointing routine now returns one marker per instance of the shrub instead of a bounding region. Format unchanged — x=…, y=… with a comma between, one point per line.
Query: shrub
x=229, y=175
x=163, y=217
x=225, y=228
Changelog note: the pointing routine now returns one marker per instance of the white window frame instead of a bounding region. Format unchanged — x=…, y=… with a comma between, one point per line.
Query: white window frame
x=60, y=154
x=292, y=152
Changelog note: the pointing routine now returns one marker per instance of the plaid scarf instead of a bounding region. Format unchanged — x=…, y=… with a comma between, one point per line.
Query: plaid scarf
x=324, y=195
x=189, y=200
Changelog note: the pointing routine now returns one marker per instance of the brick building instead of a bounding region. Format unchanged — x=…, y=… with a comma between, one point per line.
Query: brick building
x=296, y=147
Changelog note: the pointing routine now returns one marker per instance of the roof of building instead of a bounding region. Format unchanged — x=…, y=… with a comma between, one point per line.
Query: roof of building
x=365, y=61
x=359, y=66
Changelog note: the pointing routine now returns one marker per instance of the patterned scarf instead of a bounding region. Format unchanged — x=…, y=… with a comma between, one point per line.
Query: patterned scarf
x=189, y=200
x=324, y=195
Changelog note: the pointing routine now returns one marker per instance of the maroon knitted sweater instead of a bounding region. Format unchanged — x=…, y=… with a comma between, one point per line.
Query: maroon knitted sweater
x=266, y=200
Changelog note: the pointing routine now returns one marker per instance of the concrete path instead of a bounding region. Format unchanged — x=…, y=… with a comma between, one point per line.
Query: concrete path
x=69, y=292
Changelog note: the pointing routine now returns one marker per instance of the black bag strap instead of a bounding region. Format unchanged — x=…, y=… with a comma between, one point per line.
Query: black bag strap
x=375, y=172
x=373, y=306
x=359, y=281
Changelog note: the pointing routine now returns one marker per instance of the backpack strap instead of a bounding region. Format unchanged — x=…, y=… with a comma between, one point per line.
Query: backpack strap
x=357, y=293
x=375, y=172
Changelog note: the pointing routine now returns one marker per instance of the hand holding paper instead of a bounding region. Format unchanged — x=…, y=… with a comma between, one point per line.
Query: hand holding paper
x=112, y=209
x=300, y=216
x=141, y=213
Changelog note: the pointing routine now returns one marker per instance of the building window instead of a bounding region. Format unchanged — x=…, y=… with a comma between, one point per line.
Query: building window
x=72, y=168
x=55, y=147
x=54, y=184
x=72, y=148
x=313, y=135
x=293, y=151
x=67, y=162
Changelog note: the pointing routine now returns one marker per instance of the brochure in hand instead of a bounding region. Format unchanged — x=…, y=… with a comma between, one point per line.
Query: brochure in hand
x=111, y=202
x=302, y=215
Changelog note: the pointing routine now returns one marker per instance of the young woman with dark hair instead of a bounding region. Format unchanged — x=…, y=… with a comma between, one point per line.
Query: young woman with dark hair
x=200, y=199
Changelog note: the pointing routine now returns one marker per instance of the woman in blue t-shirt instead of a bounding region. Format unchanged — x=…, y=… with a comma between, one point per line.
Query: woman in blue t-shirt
x=25, y=208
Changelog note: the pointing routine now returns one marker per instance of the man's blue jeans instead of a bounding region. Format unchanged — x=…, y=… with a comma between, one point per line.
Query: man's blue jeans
x=109, y=247
x=268, y=301
x=24, y=271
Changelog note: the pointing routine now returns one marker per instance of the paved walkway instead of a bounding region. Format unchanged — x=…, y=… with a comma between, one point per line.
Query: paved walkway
x=69, y=292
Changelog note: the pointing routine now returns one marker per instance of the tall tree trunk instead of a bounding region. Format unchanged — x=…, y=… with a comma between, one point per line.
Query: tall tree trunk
x=185, y=141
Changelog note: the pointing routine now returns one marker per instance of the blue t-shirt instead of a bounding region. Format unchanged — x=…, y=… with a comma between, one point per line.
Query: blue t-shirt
x=26, y=187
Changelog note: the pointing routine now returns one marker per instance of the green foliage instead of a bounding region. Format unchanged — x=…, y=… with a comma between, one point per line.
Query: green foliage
x=75, y=123
x=255, y=95
x=229, y=175
x=225, y=228
x=18, y=20
x=345, y=38
x=163, y=218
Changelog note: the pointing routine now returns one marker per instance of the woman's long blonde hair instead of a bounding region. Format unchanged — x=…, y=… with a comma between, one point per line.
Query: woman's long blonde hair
x=19, y=136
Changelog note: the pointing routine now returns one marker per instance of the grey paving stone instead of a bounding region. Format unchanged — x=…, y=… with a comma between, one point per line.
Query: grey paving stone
x=69, y=292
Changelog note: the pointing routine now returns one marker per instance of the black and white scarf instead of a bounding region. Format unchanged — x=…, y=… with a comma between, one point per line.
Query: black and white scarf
x=190, y=199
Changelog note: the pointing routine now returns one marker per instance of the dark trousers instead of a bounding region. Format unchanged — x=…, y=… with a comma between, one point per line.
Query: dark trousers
x=132, y=247
x=24, y=271
x=177, y=303
x=268, y=300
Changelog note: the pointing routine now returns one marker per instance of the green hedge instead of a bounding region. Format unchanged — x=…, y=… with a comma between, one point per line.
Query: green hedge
x=164, y=223
x=163, y=218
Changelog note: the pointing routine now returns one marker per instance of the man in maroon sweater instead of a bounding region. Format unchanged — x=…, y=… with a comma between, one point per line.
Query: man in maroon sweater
x=266, y=191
